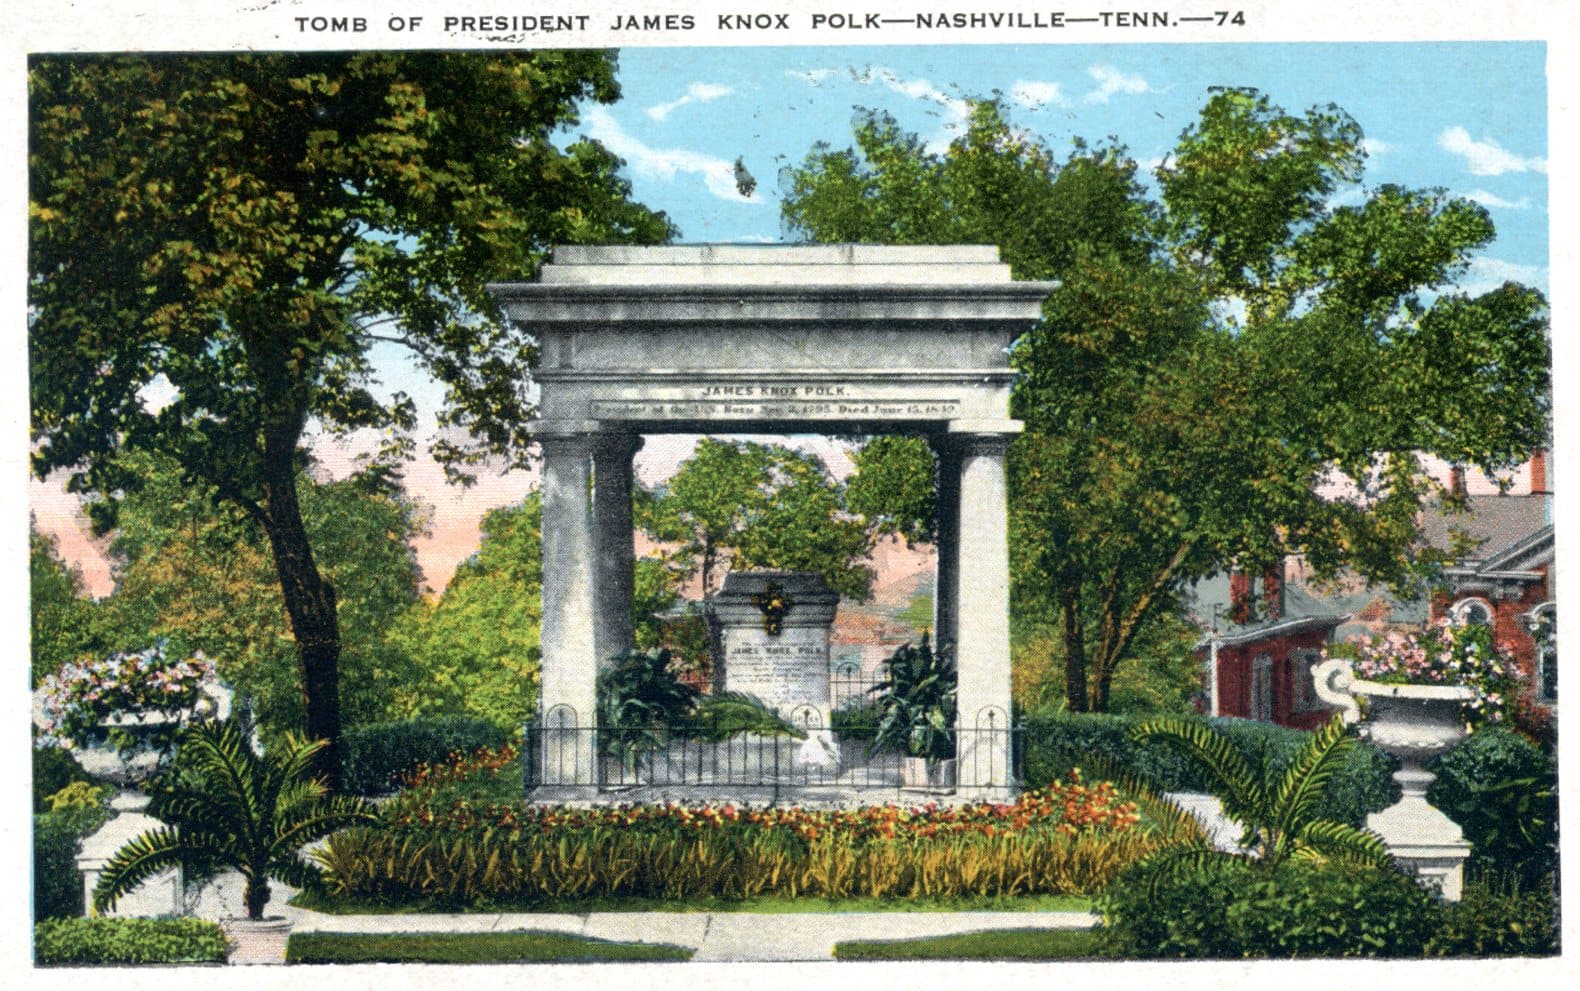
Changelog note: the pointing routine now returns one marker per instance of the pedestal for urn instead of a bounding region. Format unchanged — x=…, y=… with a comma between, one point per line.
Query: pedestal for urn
x=127, y=769
x=1414, y=723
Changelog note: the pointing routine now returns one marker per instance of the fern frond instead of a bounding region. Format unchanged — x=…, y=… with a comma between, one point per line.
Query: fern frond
x=139, y=859
x=726, y=714
x=1306, y=780
x=1242, y=794
x=1341, y=841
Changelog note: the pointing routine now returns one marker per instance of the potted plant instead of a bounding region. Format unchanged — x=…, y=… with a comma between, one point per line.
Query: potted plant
x=640, y=702
x=916, y=715
x=1416, y=695
x=229, y=807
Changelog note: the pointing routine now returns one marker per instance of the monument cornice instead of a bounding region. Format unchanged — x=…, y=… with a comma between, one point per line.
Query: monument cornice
x=693, y=375
x=537, y=303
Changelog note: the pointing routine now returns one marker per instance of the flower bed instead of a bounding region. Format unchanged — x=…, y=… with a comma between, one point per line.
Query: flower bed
x=437, y=845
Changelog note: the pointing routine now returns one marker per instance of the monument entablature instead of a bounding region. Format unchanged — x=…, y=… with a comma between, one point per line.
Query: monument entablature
x=789, y=339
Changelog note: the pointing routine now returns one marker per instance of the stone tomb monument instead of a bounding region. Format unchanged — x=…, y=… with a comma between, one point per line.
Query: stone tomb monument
x=773, y=631
x=778, y=339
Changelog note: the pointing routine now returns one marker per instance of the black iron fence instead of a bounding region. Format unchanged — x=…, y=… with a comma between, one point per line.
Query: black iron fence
x=562, y=751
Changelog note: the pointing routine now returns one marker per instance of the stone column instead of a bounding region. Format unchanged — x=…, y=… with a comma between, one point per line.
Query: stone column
x=981, y=602
x=616, y=554
x=947, y=511
x=568, y=695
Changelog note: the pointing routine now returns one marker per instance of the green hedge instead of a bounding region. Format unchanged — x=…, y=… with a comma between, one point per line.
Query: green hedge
x=1056, y=743
x=1503, y=791
x=378, y=753
x=57, y=884
x=1228, y=908
x=53, y=769
x=122, y=941
x=1499, y=921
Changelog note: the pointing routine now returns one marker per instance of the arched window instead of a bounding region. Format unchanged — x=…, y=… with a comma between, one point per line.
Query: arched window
x=1543, y=624
x=1471, y=611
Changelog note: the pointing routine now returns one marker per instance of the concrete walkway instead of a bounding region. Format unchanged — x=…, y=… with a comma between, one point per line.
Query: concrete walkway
x=715, y=936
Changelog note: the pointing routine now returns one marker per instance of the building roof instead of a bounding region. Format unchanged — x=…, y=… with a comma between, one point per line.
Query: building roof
x=1492, y=523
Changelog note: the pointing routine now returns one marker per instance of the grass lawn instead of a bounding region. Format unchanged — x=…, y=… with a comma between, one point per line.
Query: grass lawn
x=508, y=947
x=1030, y=903
x=998, y=944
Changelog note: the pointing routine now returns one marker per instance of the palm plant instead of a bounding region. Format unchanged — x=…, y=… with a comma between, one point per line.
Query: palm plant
x=231, y=807
x=916, y=703
x=1278, y=812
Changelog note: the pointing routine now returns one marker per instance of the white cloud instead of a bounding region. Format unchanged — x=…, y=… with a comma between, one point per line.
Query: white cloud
x=1111, y=81
x=1373, y=146
x=955, y=110
x=1034, y=94
x=1486, y=157
x=1494, y=200
x=717, y=174
x=816, y=77
x=695, y=93
x=1487, y=274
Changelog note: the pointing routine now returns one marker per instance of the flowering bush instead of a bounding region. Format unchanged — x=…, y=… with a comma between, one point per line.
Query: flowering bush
x=95, y=701
x=1445, y=653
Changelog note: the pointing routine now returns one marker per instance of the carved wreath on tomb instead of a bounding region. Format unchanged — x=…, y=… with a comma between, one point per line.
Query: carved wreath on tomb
x=773, y=603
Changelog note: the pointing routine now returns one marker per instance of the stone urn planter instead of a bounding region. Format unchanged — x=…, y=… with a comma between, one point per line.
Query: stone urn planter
x=923, y=774
x=1414, y=723
x=257, y=941
x=127, y=769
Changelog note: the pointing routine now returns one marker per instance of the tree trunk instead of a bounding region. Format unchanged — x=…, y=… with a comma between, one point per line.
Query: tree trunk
x=310, y=605
x=256, y=896
x=1102, y=685
x=1074, y=649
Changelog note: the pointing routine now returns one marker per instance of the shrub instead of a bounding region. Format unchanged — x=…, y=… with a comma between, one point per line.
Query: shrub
x=1221, y=906
x=378, y=754
x=1055, y=744
x=81, y=795
x=53, y=769
x=1502, y=790
x=57, y=884
x=1071, y=838
x=1495, y=919
x=123, y=941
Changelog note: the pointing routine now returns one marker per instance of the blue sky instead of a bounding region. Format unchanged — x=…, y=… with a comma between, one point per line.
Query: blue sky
x=1468, y=117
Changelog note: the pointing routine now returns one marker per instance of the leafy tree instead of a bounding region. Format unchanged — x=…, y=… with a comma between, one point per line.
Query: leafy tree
x=196, y=571
x=65, y=622
x=475, y=648
x=892, y=487
x=217, y=241
x=1214, y=354
x=230, y=807
x=749, y=505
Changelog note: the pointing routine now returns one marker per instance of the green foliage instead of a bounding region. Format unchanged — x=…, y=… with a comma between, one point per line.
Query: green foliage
x=992, y=944
x=1280, y=810
x=54, y=769
x=1055, y=744
x=916, y=702
x=198, y=574
x=743, y=505
x=892, y=487
x=722, y=715
x=1502, y=790
x=378, y=754
x=81, y=795
x=228, y=807
x=57, y=884
x=501, y=947
x=1224, y=907
x=1168, y=436
x=475, y=651
x=1498, y=919
x=450, y=868
x=238, y=230
x=65, y=622
x=89, y=942
x=640, y=702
